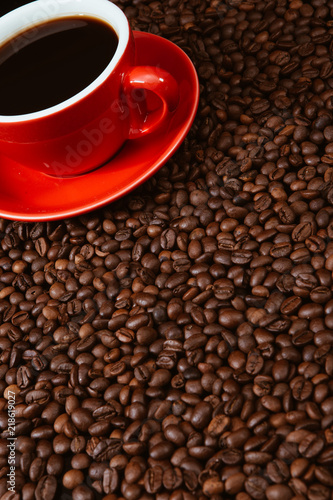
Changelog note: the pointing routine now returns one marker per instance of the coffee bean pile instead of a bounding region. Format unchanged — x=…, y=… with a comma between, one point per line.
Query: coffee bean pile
x=178, y=344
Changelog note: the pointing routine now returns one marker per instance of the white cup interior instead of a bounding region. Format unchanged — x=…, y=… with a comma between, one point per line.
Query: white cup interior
x=29, y=16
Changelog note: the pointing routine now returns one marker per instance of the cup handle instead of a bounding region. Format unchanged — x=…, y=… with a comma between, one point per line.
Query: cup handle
x=161, y=83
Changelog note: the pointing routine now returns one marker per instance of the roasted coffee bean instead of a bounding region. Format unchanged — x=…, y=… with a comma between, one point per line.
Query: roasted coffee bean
x=46, y=488
x=172, y=478
x=278, y=471
x=110, y=480
x=153, y=479
x=82, y=419
x=235, y=483
x=279, y=490
x=318, y=491
x=100, y=450
x=219, y=424
x=55, y=465
x=311, y=445
x=72, y=478
x=256, y=487
x=82, y=492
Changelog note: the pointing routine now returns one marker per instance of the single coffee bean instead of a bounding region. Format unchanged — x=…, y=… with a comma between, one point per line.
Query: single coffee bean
x=153, y=479
x=73, y=478
x=256, y=487
x=46, y=488
x=82, y=492
x=275, y=491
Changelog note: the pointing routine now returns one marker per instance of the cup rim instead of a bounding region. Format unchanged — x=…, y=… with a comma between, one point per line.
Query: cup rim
x=38, y=12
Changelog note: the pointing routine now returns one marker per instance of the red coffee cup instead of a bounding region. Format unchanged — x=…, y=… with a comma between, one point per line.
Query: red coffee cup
x=84, y=131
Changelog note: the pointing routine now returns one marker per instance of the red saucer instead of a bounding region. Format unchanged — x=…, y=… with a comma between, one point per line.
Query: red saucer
x=29, y=195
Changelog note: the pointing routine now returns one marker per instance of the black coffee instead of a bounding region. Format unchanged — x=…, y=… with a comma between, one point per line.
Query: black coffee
x=53, y=62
